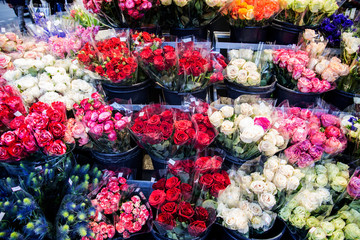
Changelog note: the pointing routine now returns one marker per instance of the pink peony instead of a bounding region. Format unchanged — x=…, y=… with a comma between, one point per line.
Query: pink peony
x=305, y=160
x=332, y=145
x=299, y=134
x=318, y=138
x=329, y=120
x=316, y=152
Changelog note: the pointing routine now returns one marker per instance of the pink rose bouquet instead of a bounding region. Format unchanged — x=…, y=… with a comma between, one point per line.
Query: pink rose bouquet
x=9, y=42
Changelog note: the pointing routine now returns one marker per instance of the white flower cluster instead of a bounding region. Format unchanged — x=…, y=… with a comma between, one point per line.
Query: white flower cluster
x=238, y=212
x=330, y=70
x=352, y=43
x=272, y=142
x=49, y=80
x=243, y=72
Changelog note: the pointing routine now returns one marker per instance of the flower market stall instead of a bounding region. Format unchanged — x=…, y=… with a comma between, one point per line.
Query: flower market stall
x=133, y=120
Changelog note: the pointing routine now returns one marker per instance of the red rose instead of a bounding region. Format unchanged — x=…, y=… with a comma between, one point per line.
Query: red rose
x=167, y=116
x=17, y=122
x=43, y=137
x=206, y=180
x=172, y=182
x=188, y=165
x=176, y=168
x=4, y=154
x=57, y=129
x=22, y=132
x=157, y=198
x=56, y=148
x=332, y=131
x=56, y=115
x=218, y=178
x=29, y=144
x=169, y=49
x=138, y=127
x=207, y=122
x=153, y=129
x=216, y=188
x=159, y=61
x=201, y=214
x=186, y=191
x=159, y=185
x=8, y=138
x=186, y=212
x=227, y=181
x=203, y=139
x=208, y=164
x=202, y=128
x=166, y=220
x=180, y=137
x=173, y=195
x=169, y=207
x=166, y=129
x=211, y=134
x=196, y=228
x=16, y=150
x=15, y=104
x=198, y=118
x=158, y=51
x=39, y=107
x=146, y=54
x=191, y=133
x=183, y=125
x=37, y=121
x=154, y=120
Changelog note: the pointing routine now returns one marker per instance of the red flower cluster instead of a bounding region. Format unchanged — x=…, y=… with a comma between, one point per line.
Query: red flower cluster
x=208, y=164
x=205, y=130
x=180, y=166
x=161, y=58
x=110, y=58
x=214, y=182
x=11, y=104
x=217, y=66
x=145, y=38
x=192, y=63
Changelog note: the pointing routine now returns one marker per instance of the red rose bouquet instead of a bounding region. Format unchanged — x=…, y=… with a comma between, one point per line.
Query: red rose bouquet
x=111, y=59
x=122, y=207
x=106, y=126
x=140, y=39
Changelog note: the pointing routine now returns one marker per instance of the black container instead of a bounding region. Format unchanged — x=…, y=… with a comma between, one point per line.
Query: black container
x=115, y=161
x=200, y=32
x=235, y=90
x=139, y=93
x=231, y=160
x=249, y=34
x=157, y=236
x=275, y=233
x=295, y=98
x=340, y=99
x=176, y=98
x=285, y=33
x=153, y=29
x=158, y=163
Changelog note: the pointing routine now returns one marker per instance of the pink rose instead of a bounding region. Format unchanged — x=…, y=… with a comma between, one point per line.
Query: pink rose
x=83, y=141
x=299, y=134
x=308, y=73
x=293, y=153
x=30, y=55
x=78, y=130
x=263, y=122
x=120, y=125
x=332, y=145
x=329, y=120
x=112, y=136
x=353, y=187
x=325, y=86
x=9, y=46
x=304, y=85
x=118, y=116
x=104, y=116
x=108, y=126
x=8, y=138
x=317, y=86
x=4, y=61
x=11, y=36
x=297, y=71
x=332, y=131
x=98, y=129
x=318, y=138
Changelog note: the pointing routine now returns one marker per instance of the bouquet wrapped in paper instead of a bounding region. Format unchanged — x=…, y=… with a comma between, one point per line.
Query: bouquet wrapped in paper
x=78, y=13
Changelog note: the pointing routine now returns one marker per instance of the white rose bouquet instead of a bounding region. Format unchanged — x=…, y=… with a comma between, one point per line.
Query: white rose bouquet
x=245, y=130
x=49, y=80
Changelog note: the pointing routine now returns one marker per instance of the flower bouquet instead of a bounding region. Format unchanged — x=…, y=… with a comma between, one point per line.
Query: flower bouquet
x=83, y=17
x=350, y=126
x=333, y=26
x=245, y=131
x=254, y=16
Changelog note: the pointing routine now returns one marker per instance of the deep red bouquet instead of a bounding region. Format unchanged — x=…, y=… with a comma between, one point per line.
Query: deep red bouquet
x=145, y=39
x=111, y=59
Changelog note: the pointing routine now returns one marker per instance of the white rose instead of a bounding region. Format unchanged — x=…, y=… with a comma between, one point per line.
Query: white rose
x=65, y=79
x=180, y=3
x=232, y=72
x=255, y=209
x=227, y=127
x=216, y=119
x=242, y=77
x=38, y=64
x=321, y=66
x=227, y=111
x=246, y=109
x=55, y=70
x=266, y=55
x=272, y=163
x=270, y=188
x=61, y=87
x=266, y=146
x=254, y=78
x=271, y=138
x=312, y=63
x=269, y=175
x=252, y=134
x=47, y=85
x=292, y=183
x=48, y=60
x=221, y=208
x=233, y=54
x=244, y=205
x=241, y=221
x=26, y=82
x=298, y=173
x=246, y=181
x=280, y=181
x=286, y=170
x=246, y=54
x=82, y=86
x=309, y=34
x=267, y=219
x=256, y=222
x=230, y=196
x=166, y=2
x=250, y=67
x=50, y=97
x=245, y=123
x=309, y=201
x=69, y=103
x=323, y=194
x=280, y=141
x=238, y=119
x=256, y=176
x=239, y=63
x=257, y=187
x=263, y=109
x=64, y=63
x=12, y=75
x=267, y=201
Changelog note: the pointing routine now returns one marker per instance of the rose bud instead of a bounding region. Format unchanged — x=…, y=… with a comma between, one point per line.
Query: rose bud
x=97, y=104
x=84, y=102
x=108, y=126
x=112, y=136
x=104, y=116
x=120, y=125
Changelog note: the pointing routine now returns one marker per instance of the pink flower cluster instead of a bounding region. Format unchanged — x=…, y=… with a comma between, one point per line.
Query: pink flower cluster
x=133, y=217
x=101, y=231
x=61, y=47
x=135, y=8
x=296, y=65
x=312, y=136
x=75, y=131
x=97, y=116
x=353, y=187
x=94, y=5
x=86, y=34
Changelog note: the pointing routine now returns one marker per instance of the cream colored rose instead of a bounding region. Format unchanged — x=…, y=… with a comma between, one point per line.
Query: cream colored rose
x=256, y=176
x=270, y=136
x=267, y=201
x=269, y=175
x=280, y=181
x=232, y=72
x=280, y=141
x=180, y=3
x=267, y=148
x=257, y=222
x=298, y=173
x=255, y=209
x=245, y=123
x=272, y=164
x=242, y=77
x=267, y=219
x=246, y=54
x=216, y=119
x=238, y=119
x=250, y=67
x=257, y=187
x=246, y=109
x=238, y=62
x=286, y=170
x=241, y=221
x=227, y=111
x=212, y=3
x=321, y=66
x=254, y=78
x=292, y=183
x=270, y=187
x=338, y=67
x=266, y=55
x=246, y=181
x=312, y=63
x=329, y=75
x=252, y=134
x=244, y=205
x=227, y=127
x=233, y=54
x=309, y=34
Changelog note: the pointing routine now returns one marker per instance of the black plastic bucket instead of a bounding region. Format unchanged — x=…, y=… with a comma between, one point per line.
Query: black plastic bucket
x=231, y=160
x=157, y=236
x=235, y=90
x=158, y=163
x=176, y=98
x=115, y=161
x=200, y=32
x=275, y=233
x=295, y=98
x=286, y=33
x=249, y=34
x=139, y=93
x=340, y=99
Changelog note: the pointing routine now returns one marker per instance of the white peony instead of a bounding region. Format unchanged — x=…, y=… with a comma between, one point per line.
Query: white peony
x=227, y=111
x=246, y=123
x=48, y=60
x=23, y=64
x=82, y=86
x=280, y=181
x=55, y=70
x=61, y=87
x=31, y=94
x=267, y=201
x=216, y=119
x=227, y=127
x=65, y=79
x=47, y=85
x=26, y=82
x=38, y=64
